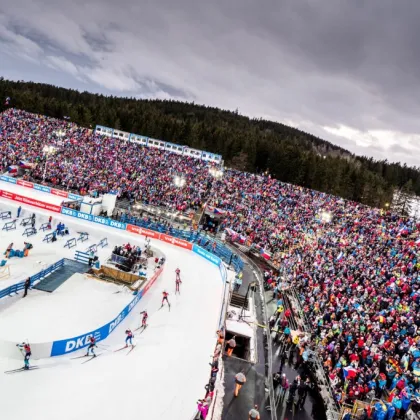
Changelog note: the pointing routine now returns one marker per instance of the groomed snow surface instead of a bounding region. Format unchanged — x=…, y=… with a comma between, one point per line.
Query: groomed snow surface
x=96, y=303
x=164, y=375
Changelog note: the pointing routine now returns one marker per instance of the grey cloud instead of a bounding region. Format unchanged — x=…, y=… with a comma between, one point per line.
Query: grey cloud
x=346, y=63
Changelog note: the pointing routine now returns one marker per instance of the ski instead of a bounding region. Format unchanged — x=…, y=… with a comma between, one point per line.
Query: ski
x=79, y=357
x=88, y=360
x=122, y=348
x=143, y=330
x=21, y=370
x=132, y=348
x=139, y=328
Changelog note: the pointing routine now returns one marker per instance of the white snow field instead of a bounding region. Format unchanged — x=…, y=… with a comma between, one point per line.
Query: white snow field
x=97, y=302
x=161, y=378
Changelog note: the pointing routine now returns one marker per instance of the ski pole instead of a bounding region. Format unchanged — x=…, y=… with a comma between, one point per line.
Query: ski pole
x=103, y=348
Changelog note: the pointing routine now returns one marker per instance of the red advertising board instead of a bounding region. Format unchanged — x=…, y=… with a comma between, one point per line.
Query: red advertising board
x=161, y=236
x=152, y=280
x=175, y=241
x=142, y=231
x=60, y=193
x=30, y=201
x=23, y=183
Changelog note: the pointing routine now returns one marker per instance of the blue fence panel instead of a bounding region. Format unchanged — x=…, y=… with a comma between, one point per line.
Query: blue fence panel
x=8, y=291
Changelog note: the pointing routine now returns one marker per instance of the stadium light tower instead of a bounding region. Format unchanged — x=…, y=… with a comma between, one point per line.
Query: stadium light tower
x=179, y=181
x=216, y=173
x=60, y=133
x=48, y=150
x=326, y=216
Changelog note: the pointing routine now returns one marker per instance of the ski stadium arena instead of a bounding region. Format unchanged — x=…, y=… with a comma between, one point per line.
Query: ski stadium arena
x=66, y=305
x=309, y=285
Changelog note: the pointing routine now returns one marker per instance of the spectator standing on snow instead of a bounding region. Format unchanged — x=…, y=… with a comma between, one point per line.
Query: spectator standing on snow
x=91, y=258
x=27, y=286
x=19, y=210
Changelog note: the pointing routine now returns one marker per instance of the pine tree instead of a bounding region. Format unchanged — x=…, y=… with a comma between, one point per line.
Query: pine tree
x=403, y=199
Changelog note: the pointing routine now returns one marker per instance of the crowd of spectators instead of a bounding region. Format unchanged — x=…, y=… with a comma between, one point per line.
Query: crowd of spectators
x=357, y=278
x=359, y=286
x=85, y=162
x=355, y=268
x=128, y=257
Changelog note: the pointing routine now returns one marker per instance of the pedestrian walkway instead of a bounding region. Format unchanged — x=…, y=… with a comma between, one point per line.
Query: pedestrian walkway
x=253, y=392
x=285, y=355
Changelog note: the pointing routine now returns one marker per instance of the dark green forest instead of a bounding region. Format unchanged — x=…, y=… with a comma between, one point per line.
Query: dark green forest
x=253, y=145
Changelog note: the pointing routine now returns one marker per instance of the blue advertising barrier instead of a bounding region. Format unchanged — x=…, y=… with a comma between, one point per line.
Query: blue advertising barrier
x=75, y=197
x=42, y=188
x=206, y=255
x=77, y=214
x=91, y=218
x=8, y=179
x=109, y=222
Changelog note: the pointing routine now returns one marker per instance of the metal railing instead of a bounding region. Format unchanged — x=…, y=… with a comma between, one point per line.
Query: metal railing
x=15, y=288
x=269, y=358
x=330, y=402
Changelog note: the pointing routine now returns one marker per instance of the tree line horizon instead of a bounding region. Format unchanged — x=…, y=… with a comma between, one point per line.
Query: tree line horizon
x=253, y=145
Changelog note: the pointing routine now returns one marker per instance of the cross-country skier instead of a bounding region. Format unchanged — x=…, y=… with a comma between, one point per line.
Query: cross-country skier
x=178, y=272
x=92, y=345
x=165, y=298
x=177, y=283
x=144, y=319
x=27, y=349
x=129, y=338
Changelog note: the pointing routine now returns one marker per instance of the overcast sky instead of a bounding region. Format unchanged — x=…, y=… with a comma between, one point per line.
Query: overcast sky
x=345, y=70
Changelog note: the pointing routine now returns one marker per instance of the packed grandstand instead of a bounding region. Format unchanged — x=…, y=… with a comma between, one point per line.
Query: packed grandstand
x=355, y=268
